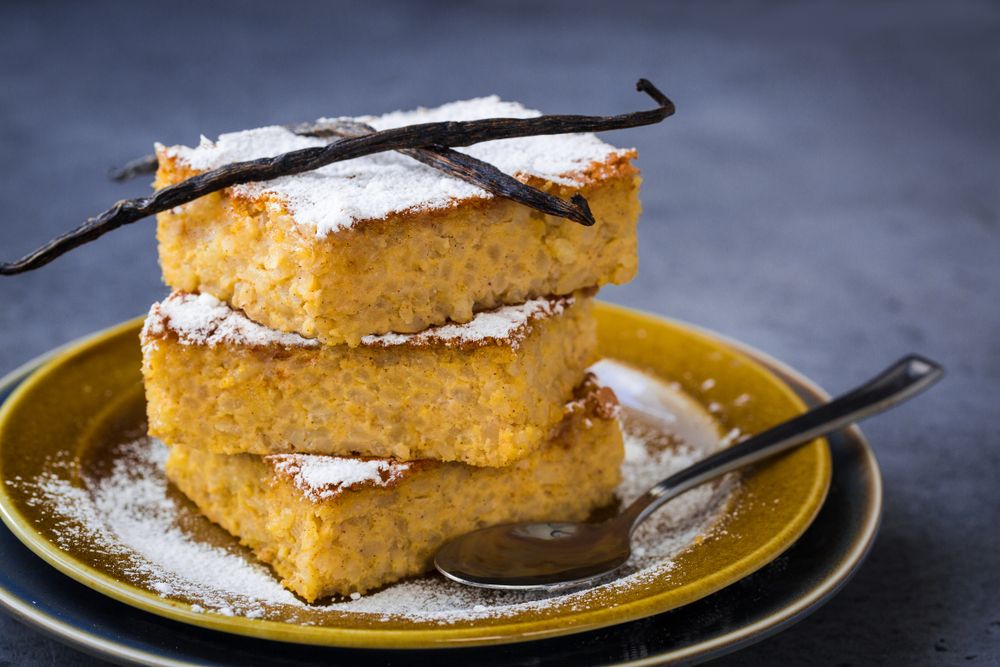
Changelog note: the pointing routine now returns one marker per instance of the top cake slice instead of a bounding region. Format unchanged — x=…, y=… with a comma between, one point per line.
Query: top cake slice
x=385, y=244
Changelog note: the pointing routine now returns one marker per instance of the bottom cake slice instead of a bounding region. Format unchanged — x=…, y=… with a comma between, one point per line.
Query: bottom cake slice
x=332, y=525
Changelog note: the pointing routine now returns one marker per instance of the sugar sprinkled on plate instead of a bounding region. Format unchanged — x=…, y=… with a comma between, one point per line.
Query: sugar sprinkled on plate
x=129, y=513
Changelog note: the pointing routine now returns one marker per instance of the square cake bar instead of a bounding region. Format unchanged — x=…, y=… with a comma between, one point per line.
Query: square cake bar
x=336, y=526
x=485, y=393
x=385, y=244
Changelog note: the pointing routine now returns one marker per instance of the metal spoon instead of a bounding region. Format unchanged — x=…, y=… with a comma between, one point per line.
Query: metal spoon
x=550, y=556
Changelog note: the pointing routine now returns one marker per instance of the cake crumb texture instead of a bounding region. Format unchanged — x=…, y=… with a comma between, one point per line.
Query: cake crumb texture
x=488, y=401
x=418, y=262
x=372, y=534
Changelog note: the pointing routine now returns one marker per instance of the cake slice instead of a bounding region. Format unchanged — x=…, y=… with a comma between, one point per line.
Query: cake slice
x=337, y=526
x=485, y=393
x=385, y=244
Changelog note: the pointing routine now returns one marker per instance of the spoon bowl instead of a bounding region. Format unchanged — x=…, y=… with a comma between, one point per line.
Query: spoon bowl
x=554, y=555
x=533, y=556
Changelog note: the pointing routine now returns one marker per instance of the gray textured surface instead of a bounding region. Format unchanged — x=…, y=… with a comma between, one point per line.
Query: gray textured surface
x=828, y=192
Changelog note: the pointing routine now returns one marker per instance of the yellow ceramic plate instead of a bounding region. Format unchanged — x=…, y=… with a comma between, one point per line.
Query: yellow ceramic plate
x=90, y=393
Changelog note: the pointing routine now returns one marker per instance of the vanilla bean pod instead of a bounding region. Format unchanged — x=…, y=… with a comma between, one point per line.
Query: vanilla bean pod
x=142, y=166
x=445, y=160
x=443, y=134
x=471, y=170
x=339, y=128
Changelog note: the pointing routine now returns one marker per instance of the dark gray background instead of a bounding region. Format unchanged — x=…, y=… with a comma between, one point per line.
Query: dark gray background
x=827, y=192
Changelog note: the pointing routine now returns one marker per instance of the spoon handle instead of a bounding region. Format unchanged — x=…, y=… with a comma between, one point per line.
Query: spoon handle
x=906, y=378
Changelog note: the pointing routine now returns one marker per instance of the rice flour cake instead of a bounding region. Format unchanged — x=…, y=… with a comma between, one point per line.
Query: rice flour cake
x=337, y=525
x=485, y=393
x=385, y=244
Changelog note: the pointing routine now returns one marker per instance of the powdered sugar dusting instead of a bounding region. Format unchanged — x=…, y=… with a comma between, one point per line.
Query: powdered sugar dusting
x=338, y=195
x=508, y=324
x=201, y=319
x=129, y=515
x=325, y=477
x=159, y=542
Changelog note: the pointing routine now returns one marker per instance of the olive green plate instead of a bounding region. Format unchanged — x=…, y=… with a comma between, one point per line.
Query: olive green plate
x=88, y=392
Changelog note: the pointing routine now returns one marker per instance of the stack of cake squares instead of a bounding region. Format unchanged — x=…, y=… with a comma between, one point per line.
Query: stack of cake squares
x=360, y=363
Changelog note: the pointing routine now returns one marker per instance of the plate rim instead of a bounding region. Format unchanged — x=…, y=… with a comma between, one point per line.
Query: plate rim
x=87, y=642
x=506, y=631
x=823, y=590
